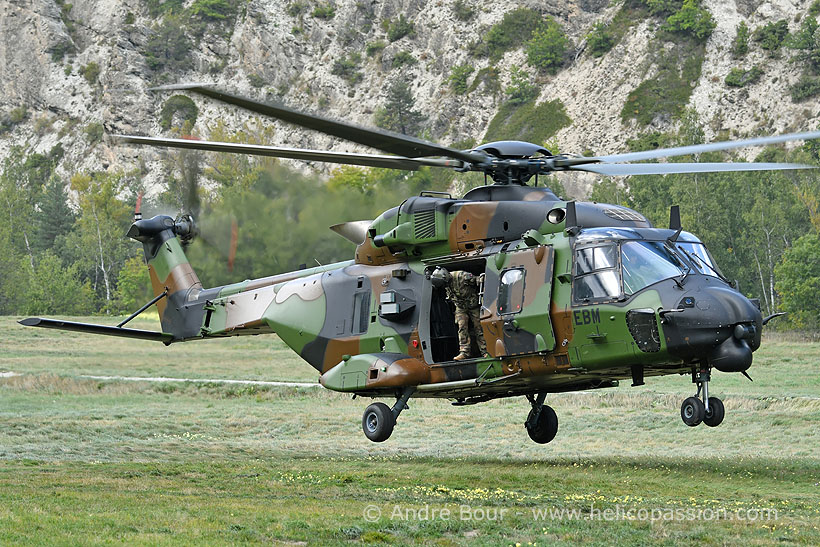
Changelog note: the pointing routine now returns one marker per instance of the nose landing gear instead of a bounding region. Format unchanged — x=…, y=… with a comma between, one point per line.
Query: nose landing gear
x=542, y=422
x=695, y=411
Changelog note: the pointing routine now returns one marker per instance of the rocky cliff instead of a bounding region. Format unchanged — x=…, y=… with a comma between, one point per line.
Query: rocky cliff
x=68, y=71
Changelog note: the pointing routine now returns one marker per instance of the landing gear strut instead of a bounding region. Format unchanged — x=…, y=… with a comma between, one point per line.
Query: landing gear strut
x=542, y=423
x=695, y=411
x=379, y=419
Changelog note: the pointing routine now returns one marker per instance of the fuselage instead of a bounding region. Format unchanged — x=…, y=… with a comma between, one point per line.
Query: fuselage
x=562, y=308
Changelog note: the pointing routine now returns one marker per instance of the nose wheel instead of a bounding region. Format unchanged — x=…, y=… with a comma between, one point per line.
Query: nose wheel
x=701, y=408
x=542, y=422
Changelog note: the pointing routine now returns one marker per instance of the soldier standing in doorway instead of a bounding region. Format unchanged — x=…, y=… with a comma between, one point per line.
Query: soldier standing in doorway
x=462, y=291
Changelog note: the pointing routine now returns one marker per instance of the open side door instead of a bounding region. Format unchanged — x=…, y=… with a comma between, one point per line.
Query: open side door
x=516, y=304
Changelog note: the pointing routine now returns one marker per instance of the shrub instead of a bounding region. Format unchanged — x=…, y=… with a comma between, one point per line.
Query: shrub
x=18, y=114
x=599, y=40
x=740, y=45
x=772, y=35
x=546, y=48
x=403, y=58
x=91, y=72
x=739, y=77
x=212, y=10
x=490, y=78
x=374, y=48
x=347, y=66
x=324, y=11
x=692, y=19
x=129, y=18
x=806, y=88
x=159, y=8
x=256, y=80
x=515, y=28
x=528, y=121
x=521, y=89
x=458, y=78
x=663, y=7
x=168, y=47
x=807, y=43
x=93, y=132
x=178, y=104
x=296, y=9
x=398, y=29
x=465, y=12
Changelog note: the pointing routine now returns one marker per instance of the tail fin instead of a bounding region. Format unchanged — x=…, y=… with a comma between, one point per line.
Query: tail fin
x=170, y=271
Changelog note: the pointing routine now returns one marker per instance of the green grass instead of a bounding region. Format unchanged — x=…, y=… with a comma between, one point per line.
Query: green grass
x=86, y=461
x=528, y=121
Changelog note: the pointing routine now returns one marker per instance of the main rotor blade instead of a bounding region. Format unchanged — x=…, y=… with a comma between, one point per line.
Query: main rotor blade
x=671, y=168
x=386, y=141
x=701, y=148
x=369, y=160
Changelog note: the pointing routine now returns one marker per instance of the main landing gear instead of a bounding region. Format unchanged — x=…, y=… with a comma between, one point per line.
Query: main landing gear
x=709, y=411
x=542, y=423
x=379, y=419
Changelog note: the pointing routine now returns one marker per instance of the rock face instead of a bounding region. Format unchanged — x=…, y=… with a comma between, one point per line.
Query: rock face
x=80, y=65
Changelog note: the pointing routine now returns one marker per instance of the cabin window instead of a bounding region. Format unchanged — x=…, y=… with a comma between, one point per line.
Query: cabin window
x=596, y=273
x=361, y=312
x=511, y=291
x=645, y=263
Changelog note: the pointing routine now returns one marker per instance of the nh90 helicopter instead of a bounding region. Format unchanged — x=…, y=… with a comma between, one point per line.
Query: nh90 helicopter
x=573, y=296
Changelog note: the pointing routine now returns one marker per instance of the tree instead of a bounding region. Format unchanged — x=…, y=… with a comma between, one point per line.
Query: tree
x=547, y=47
x=398, y=113
x=799, y=282
x=52, y=288
x=104, y=218
x=53, y=219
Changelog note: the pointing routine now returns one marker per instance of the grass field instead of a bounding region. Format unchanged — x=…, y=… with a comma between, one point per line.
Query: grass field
x=89, y=461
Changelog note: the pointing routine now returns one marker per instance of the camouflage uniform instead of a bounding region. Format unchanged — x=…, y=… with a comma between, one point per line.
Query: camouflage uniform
x=462, y=290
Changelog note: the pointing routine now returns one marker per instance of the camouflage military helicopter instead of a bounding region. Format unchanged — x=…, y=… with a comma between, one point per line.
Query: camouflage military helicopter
x=573, y=296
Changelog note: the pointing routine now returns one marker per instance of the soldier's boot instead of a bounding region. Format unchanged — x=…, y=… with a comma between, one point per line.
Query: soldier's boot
x=462, y=355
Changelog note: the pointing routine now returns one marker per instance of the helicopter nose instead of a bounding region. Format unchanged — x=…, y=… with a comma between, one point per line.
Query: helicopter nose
x=714, y=325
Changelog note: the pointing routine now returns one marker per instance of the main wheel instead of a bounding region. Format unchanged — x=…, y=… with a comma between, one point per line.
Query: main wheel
x=378, y=422
x=714, y=416
x=692, y=411
x=544, y=430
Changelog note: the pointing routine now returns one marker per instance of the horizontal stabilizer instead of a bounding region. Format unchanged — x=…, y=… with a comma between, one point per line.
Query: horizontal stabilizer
x=97, y=329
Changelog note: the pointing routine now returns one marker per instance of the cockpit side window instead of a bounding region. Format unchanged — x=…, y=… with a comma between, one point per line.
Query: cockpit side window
x=597, y=275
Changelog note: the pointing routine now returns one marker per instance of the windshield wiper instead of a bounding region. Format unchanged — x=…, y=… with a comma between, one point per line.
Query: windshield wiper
x=676, y=256
x=696, y=259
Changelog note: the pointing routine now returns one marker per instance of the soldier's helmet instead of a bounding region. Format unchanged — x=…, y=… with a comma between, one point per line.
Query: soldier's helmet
x=439, y=277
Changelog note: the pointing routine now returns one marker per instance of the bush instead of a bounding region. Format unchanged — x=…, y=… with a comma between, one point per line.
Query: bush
x=599, y=40
x=490, y=78
x=91, y=72
x=772, y=35
x=178, y=104
x=463, y=11
x=13, y=117
x=806, y=88
x=528, y=121
x=159, y=8
x=374, y=48
x=515, y=28
x=807, y=43
x=212, y=10
x=692, y=19
x=256, y=80
x=396, y=30
x=740, y=45
x=521, y=89
x=129, y=18
x=296, y=9
x=546, y=48
x=403, y=58
x=798, y=281
x=347, y=66
x=93, y=132
x=663, y=7
x=168, y=48
x=458, y=78
x=739, y=77
x=324, y=11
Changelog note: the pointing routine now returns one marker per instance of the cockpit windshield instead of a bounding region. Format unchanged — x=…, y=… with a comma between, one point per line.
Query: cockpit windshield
x=646, y=262
x=607, y=270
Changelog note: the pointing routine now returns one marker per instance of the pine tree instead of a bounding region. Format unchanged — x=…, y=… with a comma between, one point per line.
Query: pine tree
x=398, y=114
